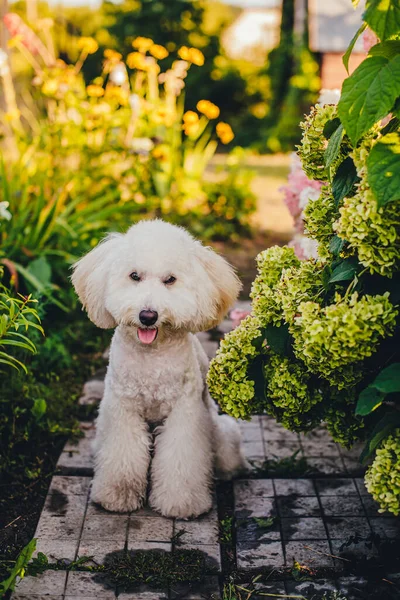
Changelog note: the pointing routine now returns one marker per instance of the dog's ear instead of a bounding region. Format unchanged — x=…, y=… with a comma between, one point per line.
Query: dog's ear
x=225, y=285
x=89, y=279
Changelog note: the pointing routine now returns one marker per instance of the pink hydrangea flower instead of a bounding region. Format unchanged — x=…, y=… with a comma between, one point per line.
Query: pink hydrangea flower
x=304, y=247
x=298, y=191
x=237, y=316
x=369, y=39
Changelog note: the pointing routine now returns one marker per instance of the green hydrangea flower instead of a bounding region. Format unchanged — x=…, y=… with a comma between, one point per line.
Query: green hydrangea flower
x=271, y=264
x=333, y=340
x=361, y=152
x=319, y=216
x=313, y=143
x=374, y=233
x=383, y=476
x=290, y=397
x=299, y=284
x=227, y=377
x=344, y=426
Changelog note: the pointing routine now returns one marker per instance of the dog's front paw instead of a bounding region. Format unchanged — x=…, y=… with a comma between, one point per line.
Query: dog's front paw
x=117, y=498
x=181, y=507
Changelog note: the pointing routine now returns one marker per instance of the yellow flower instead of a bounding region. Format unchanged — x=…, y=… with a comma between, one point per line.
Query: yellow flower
x=135, y=60
x=112, y=55
x=224, y=132
x=159, y=52
x=210, y=110
x=88, y=44
x=196, y=57
x=95, y=91
x=163, y=116
x=117, y=93
x=192, y=55
x=190, y=117
x=160, y=153
x=50, y=87
x=142, y=44
x=184, y=53
x=190, y=128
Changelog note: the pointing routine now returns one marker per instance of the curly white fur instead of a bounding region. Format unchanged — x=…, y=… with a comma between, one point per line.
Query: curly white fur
x=162, y=382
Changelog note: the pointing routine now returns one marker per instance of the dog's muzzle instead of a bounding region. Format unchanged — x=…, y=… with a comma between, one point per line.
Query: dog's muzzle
x=148, y=334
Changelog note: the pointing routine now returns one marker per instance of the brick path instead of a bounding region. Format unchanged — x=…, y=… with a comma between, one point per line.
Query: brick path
x=300, y=509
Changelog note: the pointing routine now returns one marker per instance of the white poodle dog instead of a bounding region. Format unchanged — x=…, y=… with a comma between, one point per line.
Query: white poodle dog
x=158, y=286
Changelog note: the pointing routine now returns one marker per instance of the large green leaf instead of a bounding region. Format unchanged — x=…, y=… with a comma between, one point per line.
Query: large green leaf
x=345, y=271
x=336, y=245
x=382, y=429
x=346, y=56
x=330, y=127
x=369, y=94
x=345, y=178
x=332, y=150
x=388, y=380
x=278, y=339
x=383, y=16
x=387, y=49
x=383, y=165
x=368, y=400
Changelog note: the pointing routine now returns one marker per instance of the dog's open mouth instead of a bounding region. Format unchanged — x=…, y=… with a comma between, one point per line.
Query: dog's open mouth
x=147, y=336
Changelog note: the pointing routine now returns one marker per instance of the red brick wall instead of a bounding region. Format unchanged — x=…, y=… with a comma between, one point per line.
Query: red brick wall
x=332, y=69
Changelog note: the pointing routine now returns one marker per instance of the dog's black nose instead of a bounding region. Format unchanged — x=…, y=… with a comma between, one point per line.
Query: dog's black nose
x=148, y=317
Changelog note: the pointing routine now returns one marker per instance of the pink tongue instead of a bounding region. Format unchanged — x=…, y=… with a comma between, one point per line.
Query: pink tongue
x=147, y=336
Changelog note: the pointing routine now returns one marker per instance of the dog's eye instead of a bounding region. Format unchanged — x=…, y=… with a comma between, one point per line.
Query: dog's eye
x=170, y=280
x=134, y=276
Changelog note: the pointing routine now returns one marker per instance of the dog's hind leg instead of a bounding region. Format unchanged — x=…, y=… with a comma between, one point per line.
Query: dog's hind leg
x=229, y=457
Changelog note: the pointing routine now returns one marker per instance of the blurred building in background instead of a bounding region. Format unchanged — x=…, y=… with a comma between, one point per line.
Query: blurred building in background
x=253, y=33
x=332, y=25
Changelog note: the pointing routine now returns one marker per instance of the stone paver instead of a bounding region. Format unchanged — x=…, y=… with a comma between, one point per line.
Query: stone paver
x=279, y=520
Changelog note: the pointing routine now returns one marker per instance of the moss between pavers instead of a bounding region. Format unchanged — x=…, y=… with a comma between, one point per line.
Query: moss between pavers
x=127, y=569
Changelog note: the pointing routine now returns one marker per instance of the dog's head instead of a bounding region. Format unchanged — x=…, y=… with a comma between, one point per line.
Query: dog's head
x=155, y=278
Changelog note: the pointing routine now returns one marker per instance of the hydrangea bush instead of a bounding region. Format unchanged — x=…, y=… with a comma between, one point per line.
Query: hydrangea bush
x=322, y=342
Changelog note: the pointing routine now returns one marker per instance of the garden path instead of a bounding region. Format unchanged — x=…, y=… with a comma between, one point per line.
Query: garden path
x=302, y=518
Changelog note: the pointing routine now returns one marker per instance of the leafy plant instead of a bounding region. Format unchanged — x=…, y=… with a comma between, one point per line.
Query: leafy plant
x=322, y=342
x=20, y=567
x=226, y=525
x=16, y=314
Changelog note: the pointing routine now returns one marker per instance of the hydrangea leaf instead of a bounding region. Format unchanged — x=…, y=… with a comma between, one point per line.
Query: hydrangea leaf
x=344, y=271
x=369, y=400
x=388, y=49
x=330, y=127
x=383, y=164
x=336, y=245
x=383, y=16
x=344, y=180
x=369, y=95
x=332, y=150
x=278, y=339
x=388, y=380
x=347, y=54
x=381, y=430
